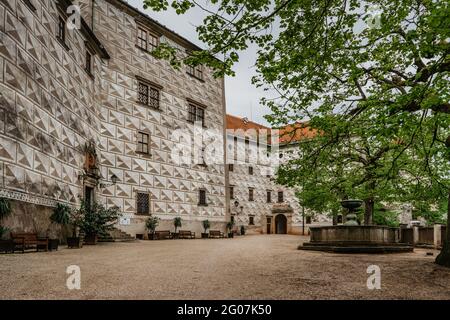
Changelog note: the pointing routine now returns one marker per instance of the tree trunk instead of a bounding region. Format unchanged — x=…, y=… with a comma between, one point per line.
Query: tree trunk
x=443, y=258
x=368, y=212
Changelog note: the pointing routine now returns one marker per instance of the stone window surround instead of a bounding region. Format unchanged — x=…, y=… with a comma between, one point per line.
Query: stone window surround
x=150, y=33
x=151, y=85
x=138, y=192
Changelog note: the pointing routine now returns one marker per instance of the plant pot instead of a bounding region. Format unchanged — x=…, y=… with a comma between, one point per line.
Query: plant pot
x=230, y=235
x=74, y=242
x=175, y=235
x=90, y=239
x=6, y=246
x=53, y=244
x=205, y=235
x=152, y=236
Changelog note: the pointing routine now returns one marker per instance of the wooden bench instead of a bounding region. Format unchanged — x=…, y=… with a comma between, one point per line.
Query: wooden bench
x=163, y=234
x=23, y=241
x=186, y=234
x=216, y=234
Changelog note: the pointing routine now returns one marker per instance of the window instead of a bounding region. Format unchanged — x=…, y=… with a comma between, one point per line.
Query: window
x=88, y=65
x=250, y=170
x=196, y=72
x=269, y=196
x=62, y=30
x=231, y=167
x=251, y=221
x=250, y=194
x=232, y=192
x=30, y=5
x=142, y=203
x=202, y=159
x=148, y=95
x=146, y=40
x=196, y=113
x=280, y=197
x=308, y=220
x=143, y=143
x=202, y=197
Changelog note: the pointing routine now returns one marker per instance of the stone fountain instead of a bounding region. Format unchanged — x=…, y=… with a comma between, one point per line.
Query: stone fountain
x=354, y=238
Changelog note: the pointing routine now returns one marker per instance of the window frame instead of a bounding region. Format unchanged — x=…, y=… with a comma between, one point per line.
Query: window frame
x=282, y=197
x=196, y=72
x=268, y=196
x=251, y=220
x=193, y=113
x=231, y=190
x=251, y=194
x=231, y=167
x=151, y=100
x=201, y=192
x=142, y=143
x=137, y=203
x=61, y=34
x=149, y=35
x=250, y=170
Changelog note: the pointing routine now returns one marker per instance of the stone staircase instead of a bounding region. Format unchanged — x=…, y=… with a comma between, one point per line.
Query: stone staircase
x=117, y=235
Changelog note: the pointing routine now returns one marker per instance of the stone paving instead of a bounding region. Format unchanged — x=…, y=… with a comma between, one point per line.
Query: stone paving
x=250, y=267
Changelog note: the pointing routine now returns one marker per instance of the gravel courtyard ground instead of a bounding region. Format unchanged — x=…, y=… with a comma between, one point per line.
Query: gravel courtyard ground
x=250, y=267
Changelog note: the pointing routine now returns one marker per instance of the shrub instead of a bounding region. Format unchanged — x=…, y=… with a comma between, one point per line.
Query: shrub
x=151, y=224
x=206, y=225
x=61, y=214
x=177, y=223
x=96, y=219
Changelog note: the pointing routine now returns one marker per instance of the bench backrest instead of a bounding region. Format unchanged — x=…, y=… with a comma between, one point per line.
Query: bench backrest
x=163, y=232
x=214, y=232
x=185, y=232
x=26, y=236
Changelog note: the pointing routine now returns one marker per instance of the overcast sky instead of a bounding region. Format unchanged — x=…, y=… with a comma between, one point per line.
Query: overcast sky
x=242, y=96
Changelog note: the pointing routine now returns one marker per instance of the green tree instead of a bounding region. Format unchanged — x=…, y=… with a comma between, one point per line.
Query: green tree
x=342, y=57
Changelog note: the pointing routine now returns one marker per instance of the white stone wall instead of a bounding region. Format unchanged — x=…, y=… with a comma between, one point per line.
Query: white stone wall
x=50, y=107
x=47, y=102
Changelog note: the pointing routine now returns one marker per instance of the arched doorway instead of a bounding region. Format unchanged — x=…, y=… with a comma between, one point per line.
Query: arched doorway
x=280, y=224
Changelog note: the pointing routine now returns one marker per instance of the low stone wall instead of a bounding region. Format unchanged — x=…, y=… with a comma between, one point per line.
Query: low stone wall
x=357, y=234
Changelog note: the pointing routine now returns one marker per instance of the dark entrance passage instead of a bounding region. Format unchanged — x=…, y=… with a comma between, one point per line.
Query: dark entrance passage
x=280, y=224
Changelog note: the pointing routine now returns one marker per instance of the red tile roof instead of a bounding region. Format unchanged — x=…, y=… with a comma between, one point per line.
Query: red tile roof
x=288, y=134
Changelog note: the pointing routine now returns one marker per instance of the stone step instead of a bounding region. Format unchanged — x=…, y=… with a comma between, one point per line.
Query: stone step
x=116, y=235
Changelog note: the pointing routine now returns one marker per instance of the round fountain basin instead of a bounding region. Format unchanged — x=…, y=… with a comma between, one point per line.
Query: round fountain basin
x=357, y=239
x=365, y=234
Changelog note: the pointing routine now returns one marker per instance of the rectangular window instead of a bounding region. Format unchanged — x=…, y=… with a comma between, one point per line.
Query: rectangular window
x=196, y=72
x=142, y=39
x=88, y=65
x=30, y=5
x=250, y=194
x=196, y=113
x=250, y=170
x=147, y=40
x=251, y=221
x=202, y=197
x=308, y=220
x=142, y=203
x=280, y=197
x=231, y=167
x=231, y=192
x=62, y=30
x=148, y=95
x=143, y=143
x=269, y=196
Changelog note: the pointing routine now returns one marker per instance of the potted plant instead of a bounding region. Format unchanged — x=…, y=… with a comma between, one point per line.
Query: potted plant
x=242, y=230
x=97, y=221
x=230, y=226
x=176, y=224
x=5, y=210
x=60, y=216
x=75, y=220
x=206, y=226
x=151, y=224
